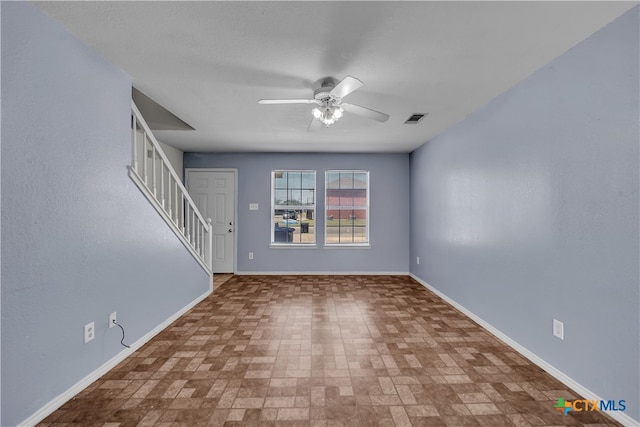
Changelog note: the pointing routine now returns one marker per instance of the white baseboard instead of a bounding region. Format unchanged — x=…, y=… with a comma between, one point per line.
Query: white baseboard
x=322, y=273
x=621, y=417
x=64, y=397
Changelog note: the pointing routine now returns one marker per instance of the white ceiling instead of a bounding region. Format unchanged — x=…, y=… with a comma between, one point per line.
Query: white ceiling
x=209, y=62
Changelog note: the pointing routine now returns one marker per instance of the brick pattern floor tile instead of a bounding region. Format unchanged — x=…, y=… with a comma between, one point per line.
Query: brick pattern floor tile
x=323, y=351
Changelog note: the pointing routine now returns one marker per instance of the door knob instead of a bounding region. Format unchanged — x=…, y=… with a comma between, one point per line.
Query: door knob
x=230, y=223
x=230, y=231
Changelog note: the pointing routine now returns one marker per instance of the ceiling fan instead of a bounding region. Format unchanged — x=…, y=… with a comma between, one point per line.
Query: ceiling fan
x=328, y=99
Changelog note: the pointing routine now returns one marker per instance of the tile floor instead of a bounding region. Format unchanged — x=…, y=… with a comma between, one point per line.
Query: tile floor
x=323, y=351
x=220, y=278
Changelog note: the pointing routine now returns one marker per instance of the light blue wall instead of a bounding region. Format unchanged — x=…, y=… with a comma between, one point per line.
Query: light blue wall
x=78, y=239
x=389, y=213
x=528, y=210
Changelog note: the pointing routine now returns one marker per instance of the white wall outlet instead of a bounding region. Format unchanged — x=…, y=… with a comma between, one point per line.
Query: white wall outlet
x=417, y=260
x=89, y=332
x=113, y=318
x=558, y=329
x=250, y=255
x=253, y=206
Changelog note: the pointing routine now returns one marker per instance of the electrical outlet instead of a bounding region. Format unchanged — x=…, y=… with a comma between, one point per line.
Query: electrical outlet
x=89, y=332
x=418, y=260
x=558, y=329
x=113, y=319
x=250, y=255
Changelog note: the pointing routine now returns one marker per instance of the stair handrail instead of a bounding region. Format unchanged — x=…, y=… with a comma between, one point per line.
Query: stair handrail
x=199, y=243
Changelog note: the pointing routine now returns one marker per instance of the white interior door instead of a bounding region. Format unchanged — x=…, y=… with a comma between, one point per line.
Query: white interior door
x=214, y=194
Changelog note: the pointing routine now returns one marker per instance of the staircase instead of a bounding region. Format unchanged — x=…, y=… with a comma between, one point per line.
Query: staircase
x=153, y=174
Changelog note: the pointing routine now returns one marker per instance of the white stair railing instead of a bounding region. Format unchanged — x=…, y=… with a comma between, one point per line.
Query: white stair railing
x=153, y=174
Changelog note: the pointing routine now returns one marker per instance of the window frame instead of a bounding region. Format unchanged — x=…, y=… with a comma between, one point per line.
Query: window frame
x=366, y=208
x=274, y=207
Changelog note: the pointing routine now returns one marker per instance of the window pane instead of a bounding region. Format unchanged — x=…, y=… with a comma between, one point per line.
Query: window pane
x=291, y=179
x=344, y=215
x=333, y=197
x=333, y=180
x=280, y=179
x=304, y=229
x=308, y=197
x=333, y=234
x=346, y=196
x=360, y=216
x=353, y=234
x=280, y=197
x=293, y=218
x=296, y=226
x=294, y=197
x=308, y=180
x=360, y=180
x=360, y=197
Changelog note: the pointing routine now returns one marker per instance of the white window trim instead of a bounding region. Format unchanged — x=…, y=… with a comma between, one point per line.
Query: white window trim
x=347, y=246
x=350, y=245
x=309, y=245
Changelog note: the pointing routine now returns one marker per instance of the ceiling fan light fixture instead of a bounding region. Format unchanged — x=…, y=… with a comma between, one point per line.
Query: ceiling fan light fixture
x=327, y=114
x=329, y=100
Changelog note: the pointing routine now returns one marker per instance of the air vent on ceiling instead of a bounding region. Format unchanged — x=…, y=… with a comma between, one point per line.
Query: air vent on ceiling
x=414, y=118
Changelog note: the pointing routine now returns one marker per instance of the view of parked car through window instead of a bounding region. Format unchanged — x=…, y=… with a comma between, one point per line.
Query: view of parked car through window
x=346, y=207
x=293, y=201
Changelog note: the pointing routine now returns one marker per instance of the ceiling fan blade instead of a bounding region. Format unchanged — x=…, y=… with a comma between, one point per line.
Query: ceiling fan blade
x=345, y=87
x=366, y=112
x=314, y=125
x=287, y=101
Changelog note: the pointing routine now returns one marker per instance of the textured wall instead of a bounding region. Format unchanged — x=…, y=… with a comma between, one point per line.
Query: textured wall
x=175, y=157
x=78, y=238
x=389, y=181
x=528, y=210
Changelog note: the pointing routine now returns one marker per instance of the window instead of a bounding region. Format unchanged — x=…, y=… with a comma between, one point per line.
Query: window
x=347, y=207
x=293, y=199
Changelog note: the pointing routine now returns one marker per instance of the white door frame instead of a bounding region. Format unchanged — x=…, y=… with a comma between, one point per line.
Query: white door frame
x=235, y=208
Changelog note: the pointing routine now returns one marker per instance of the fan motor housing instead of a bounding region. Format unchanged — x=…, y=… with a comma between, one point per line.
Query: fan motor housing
x=322, y=94
x=326, y=86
